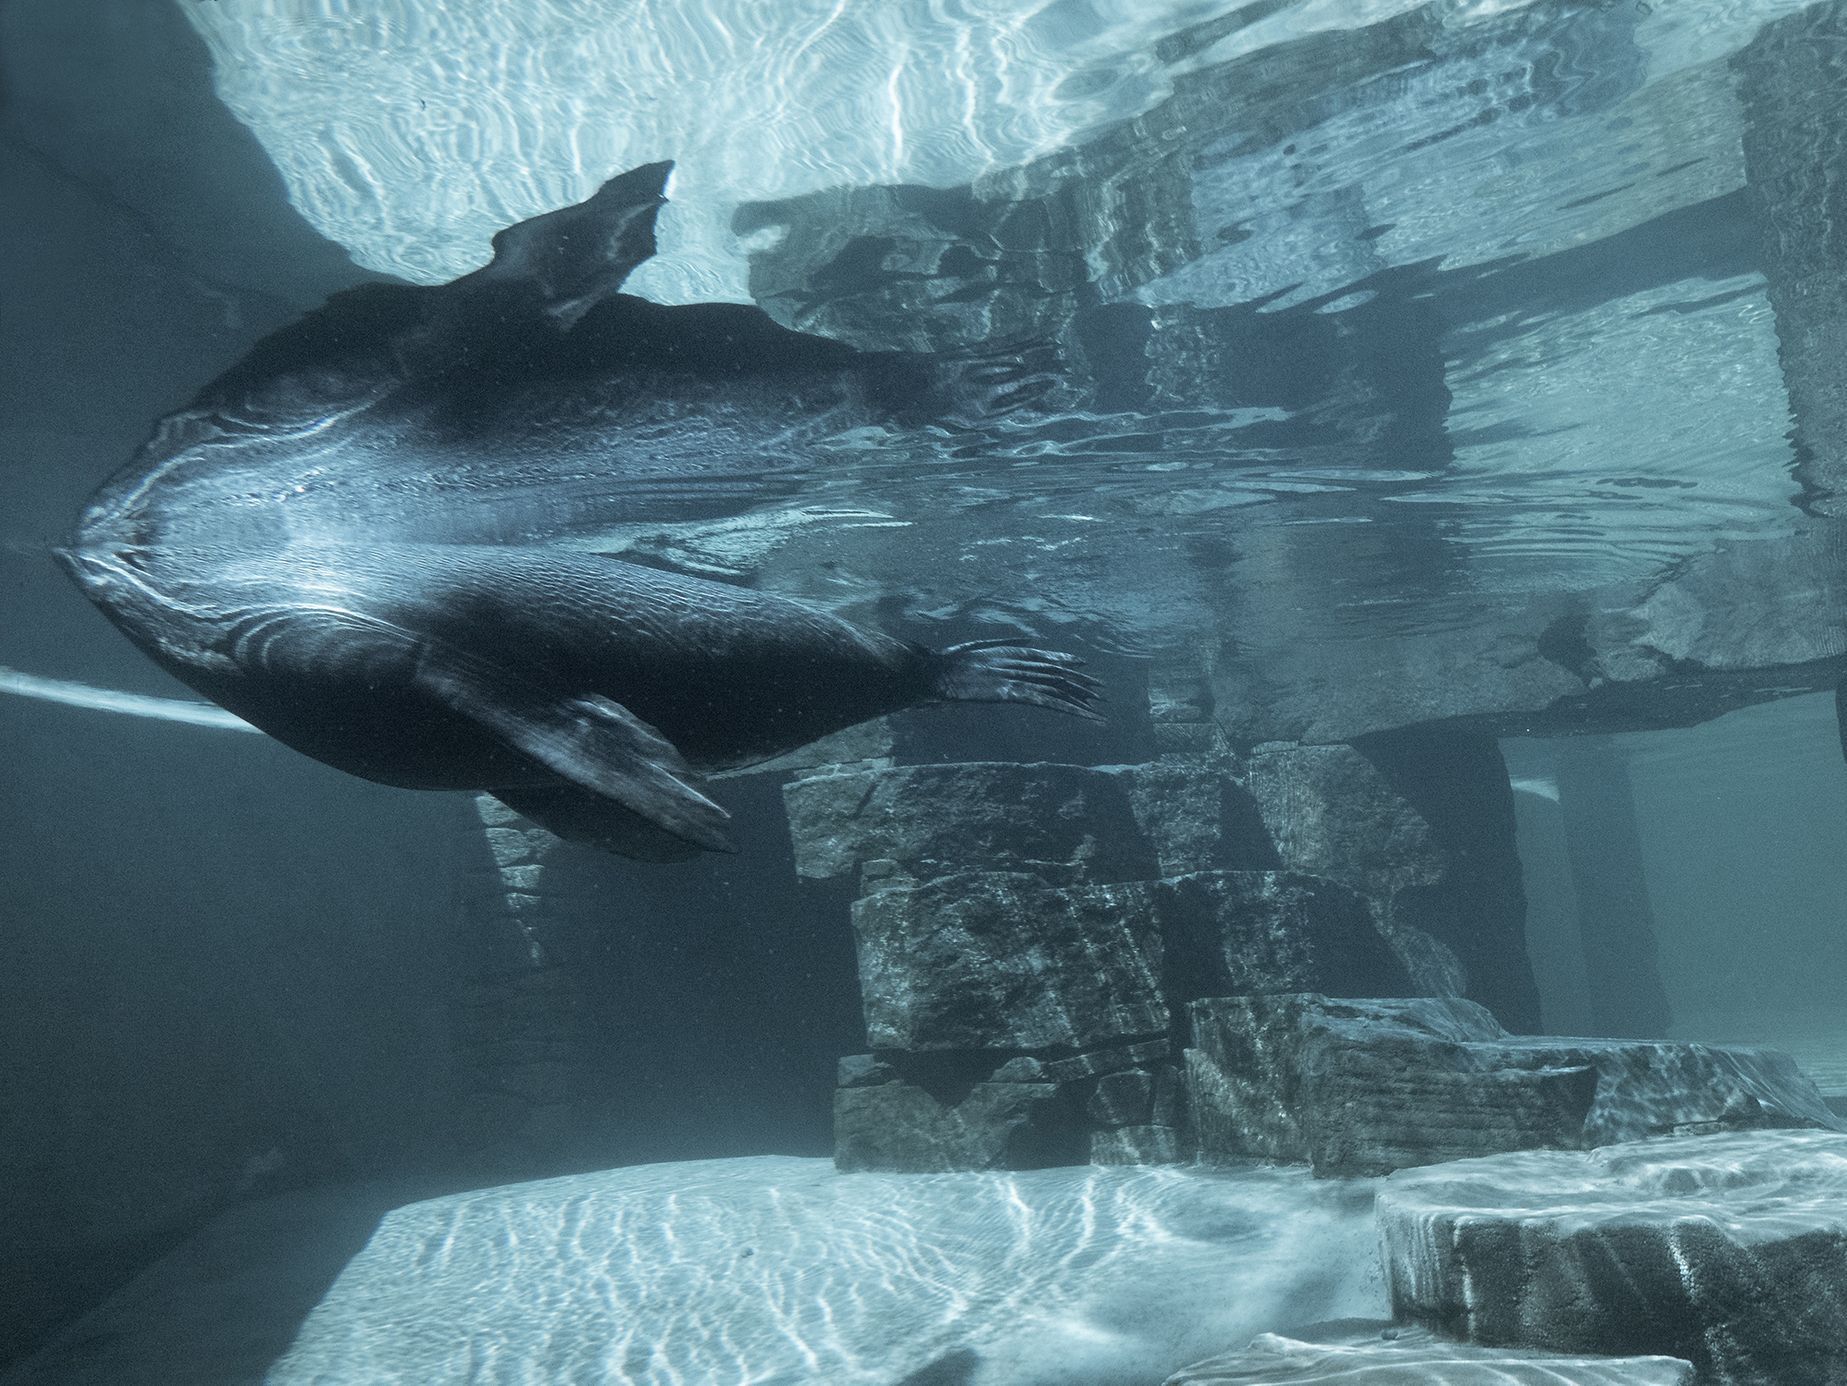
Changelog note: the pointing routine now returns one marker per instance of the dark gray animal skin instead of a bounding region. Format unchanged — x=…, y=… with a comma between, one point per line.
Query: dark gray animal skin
x=354, y=539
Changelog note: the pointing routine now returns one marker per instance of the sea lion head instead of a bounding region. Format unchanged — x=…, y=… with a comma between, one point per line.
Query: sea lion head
x=117, y=558
x=158, y=547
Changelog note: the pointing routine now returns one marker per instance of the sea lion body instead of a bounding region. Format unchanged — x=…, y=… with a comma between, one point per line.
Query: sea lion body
x=343, y=541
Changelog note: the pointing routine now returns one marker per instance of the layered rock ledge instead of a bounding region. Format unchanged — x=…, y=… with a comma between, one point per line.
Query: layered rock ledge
x=1727, y=1250
x=1356, y=1352
x=1024, y=930
x=1368, y=1086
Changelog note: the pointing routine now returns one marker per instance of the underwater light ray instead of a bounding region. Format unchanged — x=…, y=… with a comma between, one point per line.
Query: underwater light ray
x=70, y=693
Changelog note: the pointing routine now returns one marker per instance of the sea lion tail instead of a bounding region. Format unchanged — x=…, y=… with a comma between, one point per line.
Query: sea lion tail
x=998, y=671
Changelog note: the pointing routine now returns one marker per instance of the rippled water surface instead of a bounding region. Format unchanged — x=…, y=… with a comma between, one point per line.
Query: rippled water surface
x=1429, y=311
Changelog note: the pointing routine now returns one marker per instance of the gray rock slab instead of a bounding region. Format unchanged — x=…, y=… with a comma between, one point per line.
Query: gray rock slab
x=1356, y=1353
x=1005, y=960
x=984, y=1109
x=1234, y=932
x=1009, y=960
x=1065, y=820
x=776, y=1269
x=1457, y=781
x=1367, y=1086
x=863, y=1071
x=1196, y=814
x=1096, y=1062
x=1728, y=1250
x=1331, y=812
x=1099, y=823
x=903, y=1126
x=1135, y=1145
x=1124, y=1098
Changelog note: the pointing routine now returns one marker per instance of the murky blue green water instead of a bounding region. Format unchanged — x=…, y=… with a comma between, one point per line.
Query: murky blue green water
x=1425, y=420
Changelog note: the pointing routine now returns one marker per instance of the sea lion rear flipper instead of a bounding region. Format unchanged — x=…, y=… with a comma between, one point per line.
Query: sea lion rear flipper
x=577, y=815
x=577, y=256
x=590, y=741
x=999, y=671
x=1840, y=712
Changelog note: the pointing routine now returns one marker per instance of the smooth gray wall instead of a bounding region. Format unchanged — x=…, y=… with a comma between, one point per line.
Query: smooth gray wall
x=221, y=966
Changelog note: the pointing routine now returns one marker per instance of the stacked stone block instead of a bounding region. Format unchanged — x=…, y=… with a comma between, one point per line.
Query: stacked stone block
x=522, y=1026
x=1029, y=935
x=1364, y=1087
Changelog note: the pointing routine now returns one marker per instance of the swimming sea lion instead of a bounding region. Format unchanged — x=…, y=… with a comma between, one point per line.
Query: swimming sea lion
x=343, y=540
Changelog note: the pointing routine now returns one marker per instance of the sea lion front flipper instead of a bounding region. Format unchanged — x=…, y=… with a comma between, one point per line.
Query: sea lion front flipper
x=578, y=815
x=575, y=257
x=1840, y=712
x=547, y=271
x=590, y=741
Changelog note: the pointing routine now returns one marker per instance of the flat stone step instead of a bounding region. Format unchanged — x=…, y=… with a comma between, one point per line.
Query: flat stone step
x=1356, y=1352
x=1727, y=1250
x=1360, y=1087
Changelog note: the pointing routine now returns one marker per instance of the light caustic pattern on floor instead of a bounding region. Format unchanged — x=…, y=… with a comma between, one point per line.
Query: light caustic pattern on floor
x=775, y=1269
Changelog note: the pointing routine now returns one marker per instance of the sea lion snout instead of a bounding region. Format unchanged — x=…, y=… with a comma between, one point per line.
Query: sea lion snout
x=99, y=569
x=111, y=544
x=71, y=562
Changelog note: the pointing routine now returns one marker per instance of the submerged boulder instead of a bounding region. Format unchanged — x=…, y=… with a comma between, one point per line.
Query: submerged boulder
x=1004, y=960
x=1050, y=912
x=1417, y=829
x=1074, y=987
x=1230, y=933
x=1007, y=960
x=1062, y=821
x=1369, y=1086
x=983, y=1109
x=1728, y=1250
x=904, y=1126
x=1420, y=824
x=1358, y=1352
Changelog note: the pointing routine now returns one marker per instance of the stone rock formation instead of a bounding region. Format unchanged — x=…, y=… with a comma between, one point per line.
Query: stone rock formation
x=1061, y=821
x=1181, y=257
x=1357, y=1352
x=1000, y=960
x=1365, y=1087
x=1727, y=1250
x=925, y=1121
x=1022, y=928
